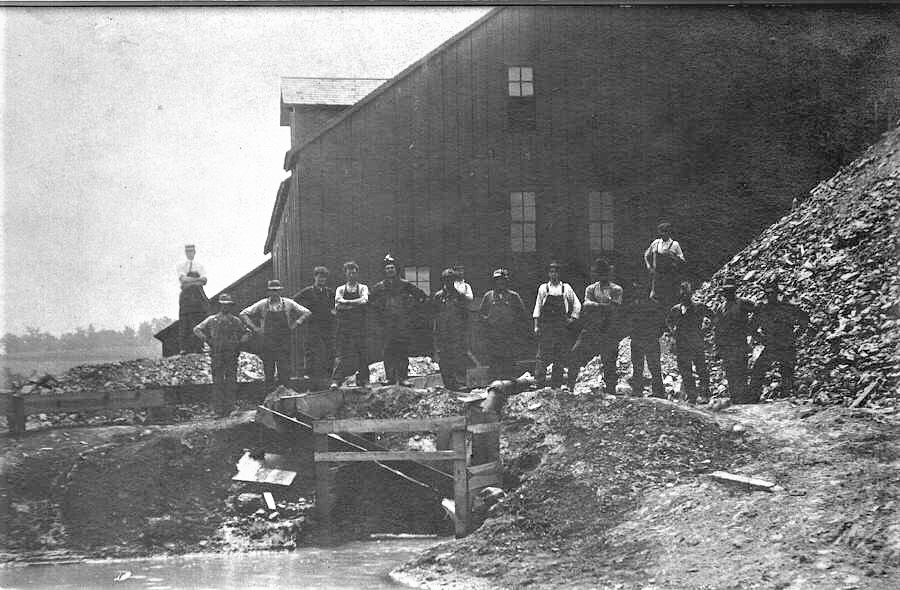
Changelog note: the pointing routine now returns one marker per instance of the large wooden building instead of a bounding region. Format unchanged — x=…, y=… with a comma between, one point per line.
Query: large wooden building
x=566, y=132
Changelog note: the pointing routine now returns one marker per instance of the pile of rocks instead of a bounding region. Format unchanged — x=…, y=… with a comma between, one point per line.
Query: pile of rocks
x=141, y=373
x=835, y=255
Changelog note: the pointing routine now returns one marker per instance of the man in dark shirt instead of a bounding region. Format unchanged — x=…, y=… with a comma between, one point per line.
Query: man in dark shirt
x=776, y=325
x=451, y=315
x=319, y=342
x=396, y=301
x=685, y=323
x=224, y=332
x=731, y=329
x=503, y=314
x=646, y=322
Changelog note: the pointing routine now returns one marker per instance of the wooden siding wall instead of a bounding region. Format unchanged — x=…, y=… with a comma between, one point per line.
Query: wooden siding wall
x=712, y=118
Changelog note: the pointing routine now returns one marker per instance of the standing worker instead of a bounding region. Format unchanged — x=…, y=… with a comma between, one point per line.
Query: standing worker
x=460, y=284
x=350, y=302
x=555, y=308
x=602, y=329
x=503, y=312
x=646, y=323
x=318, y=298
x=278, y=316
x=224, y=332
x=193, y=305
x=451, y=320
x=685, y=323
x=776, y=325
x=664, y=260
x=731, y=329
x=397, y=301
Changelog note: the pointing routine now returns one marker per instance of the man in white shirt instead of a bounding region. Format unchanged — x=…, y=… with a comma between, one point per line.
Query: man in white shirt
x=351, y=300
x=460, y=284
x=278, y=316
x=192, y=302
x=664, y=260
x=555, y=308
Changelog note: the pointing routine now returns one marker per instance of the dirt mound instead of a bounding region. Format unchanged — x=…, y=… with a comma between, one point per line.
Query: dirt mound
x=835, y=255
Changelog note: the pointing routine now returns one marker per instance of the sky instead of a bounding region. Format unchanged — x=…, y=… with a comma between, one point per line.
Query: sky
x=128, y=132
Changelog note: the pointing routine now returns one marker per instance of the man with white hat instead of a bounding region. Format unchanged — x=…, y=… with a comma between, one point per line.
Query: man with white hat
x=192, y=301
x=278, y=316
x=224, y=332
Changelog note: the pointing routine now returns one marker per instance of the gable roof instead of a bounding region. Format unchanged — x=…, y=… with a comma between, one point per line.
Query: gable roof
x=332, y=92
x=275, y=220
x=291, y=156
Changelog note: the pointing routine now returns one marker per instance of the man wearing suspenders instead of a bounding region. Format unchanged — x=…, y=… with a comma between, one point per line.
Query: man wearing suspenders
x=192, y=301
x=278, y=317
x=350, y=303
x=555, y=308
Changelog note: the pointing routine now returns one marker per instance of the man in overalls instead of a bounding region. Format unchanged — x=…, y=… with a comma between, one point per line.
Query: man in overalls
x=397, y=301
x=224, y=332
x=776, y=325
x=555, y=308
x=451, y=313
x=502, y=312
x=350, y=302
x=731, y=329
x=602, y=330
x=278, y=316
x=319, y=338
x=192, y=302
x=685, y=323
x=664, y=260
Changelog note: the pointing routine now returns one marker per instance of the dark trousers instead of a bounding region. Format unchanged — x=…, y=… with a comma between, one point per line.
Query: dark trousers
x=396, y=357
x=351, y=352
x=451, y=352
x=649, y=351
x=785, y=358
x=187, y=321
x=553, y=347
x=224, y=377
x=318, y=351
x=689, y=359
x=590, y=343
x=277, y=359
x=501, y=352
x=734, y=360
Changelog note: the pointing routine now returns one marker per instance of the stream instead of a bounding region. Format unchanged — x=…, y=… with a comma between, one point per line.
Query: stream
x=357, y=565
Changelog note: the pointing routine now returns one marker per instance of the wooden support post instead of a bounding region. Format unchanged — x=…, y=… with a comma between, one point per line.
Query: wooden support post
x=461, y=484
x=15, y=415
x=324, y=498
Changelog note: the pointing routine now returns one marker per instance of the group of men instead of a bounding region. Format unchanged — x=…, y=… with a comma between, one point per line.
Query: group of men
x=569, y=331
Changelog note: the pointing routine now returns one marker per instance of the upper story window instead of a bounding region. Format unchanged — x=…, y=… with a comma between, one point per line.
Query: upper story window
x=420, y=276
x=521, y=81
x=600, y=220
x=523, y=222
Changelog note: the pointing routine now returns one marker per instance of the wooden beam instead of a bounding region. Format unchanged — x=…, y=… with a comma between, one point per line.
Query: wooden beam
x=484, y=428
x=324, y=482
x=463, y=519
x=79, y=400
x=391, y=425
x=492, y=467
x=389, y=456
x=483, y=481
x=760, y=484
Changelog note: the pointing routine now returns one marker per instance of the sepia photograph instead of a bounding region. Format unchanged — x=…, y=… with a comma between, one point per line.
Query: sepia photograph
x=450, y=296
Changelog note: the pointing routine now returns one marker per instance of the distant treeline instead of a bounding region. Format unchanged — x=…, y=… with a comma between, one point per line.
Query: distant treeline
x=84, y=339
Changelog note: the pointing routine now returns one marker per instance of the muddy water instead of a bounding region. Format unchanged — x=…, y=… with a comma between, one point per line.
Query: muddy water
x=358, y=565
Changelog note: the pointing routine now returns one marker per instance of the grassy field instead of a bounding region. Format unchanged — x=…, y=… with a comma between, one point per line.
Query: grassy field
x=55, y=363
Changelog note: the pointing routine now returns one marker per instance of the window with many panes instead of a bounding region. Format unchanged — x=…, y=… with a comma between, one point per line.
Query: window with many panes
x=420, y=276
x=600, y=220
x=523, y=222
x=521, y=81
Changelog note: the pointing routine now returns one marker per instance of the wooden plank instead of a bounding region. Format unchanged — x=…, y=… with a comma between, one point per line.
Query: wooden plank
x=390, y=456
x=482, y=481
x=324, y=497
x=753, y=482
x=15, y=416
x=462, y=522
x=492, y=467
x=483, y=428
x=111, y=400
x=390, y=425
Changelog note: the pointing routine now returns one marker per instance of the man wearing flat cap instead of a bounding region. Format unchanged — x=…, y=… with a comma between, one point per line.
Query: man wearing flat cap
x=224, y=332
x=503, y=314
x=396, y=301
x=731, y=329
x=277, y=316
x=193, y=304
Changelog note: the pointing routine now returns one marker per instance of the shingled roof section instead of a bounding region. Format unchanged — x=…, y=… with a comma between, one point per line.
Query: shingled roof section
x=326, y=91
